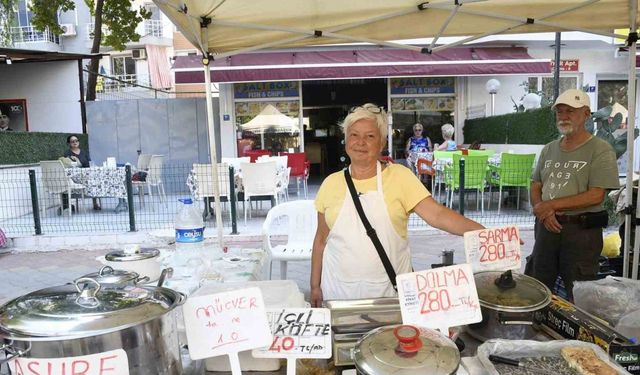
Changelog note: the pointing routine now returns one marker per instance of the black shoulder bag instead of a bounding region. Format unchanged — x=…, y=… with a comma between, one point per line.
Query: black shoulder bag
x=370, y=231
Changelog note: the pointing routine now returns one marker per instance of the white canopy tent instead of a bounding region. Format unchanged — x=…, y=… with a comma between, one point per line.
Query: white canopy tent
x=270, y=119
x=221, y=28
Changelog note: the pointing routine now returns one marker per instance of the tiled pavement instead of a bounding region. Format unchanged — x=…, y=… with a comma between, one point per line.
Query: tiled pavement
x=22, y=272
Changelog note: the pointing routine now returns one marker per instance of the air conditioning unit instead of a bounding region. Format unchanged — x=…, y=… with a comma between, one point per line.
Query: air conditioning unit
x=68, y=29
x=139, y=54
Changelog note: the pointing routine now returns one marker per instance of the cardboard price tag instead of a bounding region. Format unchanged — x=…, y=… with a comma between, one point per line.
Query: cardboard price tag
x=226, y=323
x=112, y=362
x=439, y=298
x=493, y=249
x=298, y=333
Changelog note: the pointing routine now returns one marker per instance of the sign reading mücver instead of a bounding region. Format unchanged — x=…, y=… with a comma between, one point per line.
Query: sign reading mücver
x=226, y=323
x=298, y=333
x=439, y=298
x=112, y=362
x=493, y=249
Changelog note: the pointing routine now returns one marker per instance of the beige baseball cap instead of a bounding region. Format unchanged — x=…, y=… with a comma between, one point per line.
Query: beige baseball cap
x=573, y=98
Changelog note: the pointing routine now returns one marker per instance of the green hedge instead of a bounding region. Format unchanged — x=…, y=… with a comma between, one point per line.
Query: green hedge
x=25, y=147
x=535, y=127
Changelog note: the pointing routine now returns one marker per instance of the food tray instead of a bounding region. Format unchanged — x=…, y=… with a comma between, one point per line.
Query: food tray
x=529, y=348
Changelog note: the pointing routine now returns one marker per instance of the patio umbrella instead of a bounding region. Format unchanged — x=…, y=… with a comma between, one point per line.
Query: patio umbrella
x=233, y=27
x=271, y=120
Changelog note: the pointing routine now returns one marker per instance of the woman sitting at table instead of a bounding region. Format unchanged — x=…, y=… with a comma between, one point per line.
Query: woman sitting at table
x=449, y=144
x=417, y=143
x=83, y=159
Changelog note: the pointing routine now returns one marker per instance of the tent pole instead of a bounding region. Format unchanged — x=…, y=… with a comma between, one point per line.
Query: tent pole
x=631, y=93
x=556, y=69
x=212, y=132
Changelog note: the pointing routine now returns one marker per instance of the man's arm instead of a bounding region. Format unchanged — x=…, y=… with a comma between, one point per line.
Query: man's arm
x=593, y=196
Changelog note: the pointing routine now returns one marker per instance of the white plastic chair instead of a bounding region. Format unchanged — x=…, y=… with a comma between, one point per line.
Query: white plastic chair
x=235, y=162
x=258, y=179
x=204, y=175
x=302, y=223
x=143, y=162
x=55, y=181
x=154, y=178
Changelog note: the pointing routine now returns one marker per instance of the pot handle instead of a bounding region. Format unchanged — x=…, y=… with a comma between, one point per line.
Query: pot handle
x=508, y=322
x=11, y=352
x=87, y=297
x=182, y=298
x=105, y=270
x=142, y=280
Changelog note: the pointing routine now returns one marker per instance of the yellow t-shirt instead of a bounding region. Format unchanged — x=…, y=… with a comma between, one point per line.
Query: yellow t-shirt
x=402, y=192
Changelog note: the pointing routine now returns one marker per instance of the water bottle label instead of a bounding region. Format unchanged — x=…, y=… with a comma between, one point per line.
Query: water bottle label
x=190, y=235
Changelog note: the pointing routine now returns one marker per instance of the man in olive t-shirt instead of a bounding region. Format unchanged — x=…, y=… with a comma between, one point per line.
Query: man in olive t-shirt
x=569, y=186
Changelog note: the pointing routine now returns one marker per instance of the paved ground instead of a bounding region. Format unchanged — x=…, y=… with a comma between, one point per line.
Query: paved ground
x=22, y=271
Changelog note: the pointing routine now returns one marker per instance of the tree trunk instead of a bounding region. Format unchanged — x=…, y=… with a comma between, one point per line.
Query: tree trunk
x=95, y=48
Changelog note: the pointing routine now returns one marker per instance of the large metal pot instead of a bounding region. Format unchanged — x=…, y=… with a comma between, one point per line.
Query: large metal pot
x=108, y=275
x=87, y=318
x=405, y=350
x=508, y=302
x=143, y=261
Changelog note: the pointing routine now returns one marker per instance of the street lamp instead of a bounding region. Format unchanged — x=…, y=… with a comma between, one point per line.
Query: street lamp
x=531, y=101
x=492, y=86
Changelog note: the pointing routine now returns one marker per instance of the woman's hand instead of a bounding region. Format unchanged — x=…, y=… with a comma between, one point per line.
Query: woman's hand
x=316, y=297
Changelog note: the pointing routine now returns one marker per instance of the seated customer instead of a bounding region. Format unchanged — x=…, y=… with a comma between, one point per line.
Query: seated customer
x=449, y=144
x=82, y=157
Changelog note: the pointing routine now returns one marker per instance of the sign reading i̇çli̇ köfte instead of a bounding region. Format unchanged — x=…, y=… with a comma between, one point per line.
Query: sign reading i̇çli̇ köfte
x=298, y=333
x=493, y=249
x=225, y=323
x=112, y=362
x=439, y=298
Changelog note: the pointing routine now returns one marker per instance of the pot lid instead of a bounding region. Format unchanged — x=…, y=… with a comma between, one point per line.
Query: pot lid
x=108, y=275
x=132, y=252
x=406, y=350
x=528, y=294
x=85, y=308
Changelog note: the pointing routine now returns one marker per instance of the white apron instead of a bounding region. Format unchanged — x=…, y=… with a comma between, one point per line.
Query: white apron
x=351, y=266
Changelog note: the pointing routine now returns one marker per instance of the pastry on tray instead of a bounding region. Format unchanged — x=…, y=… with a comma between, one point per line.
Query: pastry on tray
x=586, y=361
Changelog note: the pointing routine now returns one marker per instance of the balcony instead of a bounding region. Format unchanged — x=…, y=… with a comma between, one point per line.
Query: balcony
x=153, y=28
x=28, y=34
x=91, y=26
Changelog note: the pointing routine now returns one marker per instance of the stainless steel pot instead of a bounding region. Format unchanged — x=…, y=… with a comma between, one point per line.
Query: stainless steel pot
x=143, y=261
x=405, y=350
x=508, y=302
x=88, y=318
x=108, y=275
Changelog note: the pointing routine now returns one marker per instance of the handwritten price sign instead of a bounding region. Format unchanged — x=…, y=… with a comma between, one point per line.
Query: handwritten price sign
x=493, y=249
x=225, y=323
x=439, y=298
x=298, y=333
x=111, y=362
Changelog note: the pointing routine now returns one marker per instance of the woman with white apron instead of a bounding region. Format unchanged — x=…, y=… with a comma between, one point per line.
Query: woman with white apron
x=345, y=263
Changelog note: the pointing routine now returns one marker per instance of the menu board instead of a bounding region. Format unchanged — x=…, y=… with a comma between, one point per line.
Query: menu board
x=225, y=323
x=429, y=104
x=110, y=362
x=493, y=249
x=298, y=333
x=439, y=298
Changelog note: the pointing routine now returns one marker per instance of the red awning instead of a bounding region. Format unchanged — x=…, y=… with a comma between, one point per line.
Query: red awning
x=312, y=65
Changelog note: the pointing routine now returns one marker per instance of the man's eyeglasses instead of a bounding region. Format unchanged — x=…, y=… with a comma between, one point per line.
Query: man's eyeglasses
x=373, y=109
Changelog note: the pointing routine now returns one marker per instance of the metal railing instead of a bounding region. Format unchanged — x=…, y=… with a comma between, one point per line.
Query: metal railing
x=153, y=28
x=28, y=34
x=103, y=199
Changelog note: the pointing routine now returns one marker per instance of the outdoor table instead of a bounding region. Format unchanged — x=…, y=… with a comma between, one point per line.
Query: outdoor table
x=100, y=181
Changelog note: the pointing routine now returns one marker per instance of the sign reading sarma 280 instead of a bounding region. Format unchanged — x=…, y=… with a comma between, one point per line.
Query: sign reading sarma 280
x=261, y=90
x=422, y=85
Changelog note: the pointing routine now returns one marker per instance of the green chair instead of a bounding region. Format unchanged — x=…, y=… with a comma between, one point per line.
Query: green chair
x=489, y=153
x=441, y=159
x=475, y=172
x=515, y=171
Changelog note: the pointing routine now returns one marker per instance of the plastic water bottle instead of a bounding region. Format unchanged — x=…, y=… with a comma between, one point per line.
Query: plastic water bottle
x=189, y=233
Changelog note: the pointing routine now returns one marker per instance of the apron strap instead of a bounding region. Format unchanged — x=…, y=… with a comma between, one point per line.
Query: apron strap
x=370, y=231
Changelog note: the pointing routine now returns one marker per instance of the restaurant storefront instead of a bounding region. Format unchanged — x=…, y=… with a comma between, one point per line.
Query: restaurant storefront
x=316, y=89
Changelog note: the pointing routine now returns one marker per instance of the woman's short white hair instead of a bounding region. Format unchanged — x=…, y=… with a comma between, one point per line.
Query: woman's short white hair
x=418, y=126
x=447, y=130
x=367, y=111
